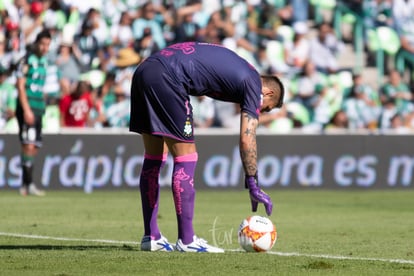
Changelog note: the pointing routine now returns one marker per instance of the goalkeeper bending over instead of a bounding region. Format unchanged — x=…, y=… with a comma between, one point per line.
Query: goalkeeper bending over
x=162, y=113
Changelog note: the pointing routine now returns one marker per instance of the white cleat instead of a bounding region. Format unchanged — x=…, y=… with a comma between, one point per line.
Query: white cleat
x=33, y=190
x=24, y=191
x=162, y=244
x=198, y=245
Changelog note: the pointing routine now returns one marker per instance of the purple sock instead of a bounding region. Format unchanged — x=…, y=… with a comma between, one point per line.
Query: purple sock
x=184, y=194
x=149, y=188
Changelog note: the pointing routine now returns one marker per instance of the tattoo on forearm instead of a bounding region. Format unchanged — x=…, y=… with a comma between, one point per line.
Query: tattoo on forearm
x=248, y=145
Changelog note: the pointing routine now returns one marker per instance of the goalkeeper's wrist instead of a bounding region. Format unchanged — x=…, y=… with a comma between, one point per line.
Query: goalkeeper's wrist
x=249, y=179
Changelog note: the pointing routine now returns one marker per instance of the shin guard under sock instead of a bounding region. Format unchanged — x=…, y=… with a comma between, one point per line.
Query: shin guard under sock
x=184, y=194
x=149, y=189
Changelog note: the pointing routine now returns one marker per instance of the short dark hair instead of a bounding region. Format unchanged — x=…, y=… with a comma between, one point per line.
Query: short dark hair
x=274, y=83
x=43, y=34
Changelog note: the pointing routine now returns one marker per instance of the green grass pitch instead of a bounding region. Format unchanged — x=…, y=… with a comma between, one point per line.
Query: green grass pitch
x=319, y=233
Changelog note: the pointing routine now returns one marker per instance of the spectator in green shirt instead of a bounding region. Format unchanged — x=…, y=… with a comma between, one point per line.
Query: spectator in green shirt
x=8, y=96
x=396, y=90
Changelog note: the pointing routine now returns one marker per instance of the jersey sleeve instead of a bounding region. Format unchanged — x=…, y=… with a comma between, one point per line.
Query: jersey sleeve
x=22, y=67
x=252, y=94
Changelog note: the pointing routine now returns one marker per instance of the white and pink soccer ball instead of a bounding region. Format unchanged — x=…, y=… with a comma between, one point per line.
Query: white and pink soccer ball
x=257, y=234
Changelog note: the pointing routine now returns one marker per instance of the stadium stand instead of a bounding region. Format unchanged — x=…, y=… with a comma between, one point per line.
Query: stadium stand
x=276, y=36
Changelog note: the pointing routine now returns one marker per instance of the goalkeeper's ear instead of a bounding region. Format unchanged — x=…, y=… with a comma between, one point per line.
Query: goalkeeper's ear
x=275, y=87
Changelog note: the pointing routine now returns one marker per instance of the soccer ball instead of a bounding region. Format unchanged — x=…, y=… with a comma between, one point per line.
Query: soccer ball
x=257, y=234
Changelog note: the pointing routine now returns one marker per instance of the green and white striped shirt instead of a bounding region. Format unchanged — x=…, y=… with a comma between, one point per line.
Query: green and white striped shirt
x=34, y=69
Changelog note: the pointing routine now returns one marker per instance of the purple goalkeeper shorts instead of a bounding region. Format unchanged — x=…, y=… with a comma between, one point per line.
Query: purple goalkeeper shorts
x=160, y=105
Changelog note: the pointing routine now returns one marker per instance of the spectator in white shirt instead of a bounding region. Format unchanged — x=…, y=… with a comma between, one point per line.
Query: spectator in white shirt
x=297, y=51
x=203, y=111
x=121, y=32
x=324, y=49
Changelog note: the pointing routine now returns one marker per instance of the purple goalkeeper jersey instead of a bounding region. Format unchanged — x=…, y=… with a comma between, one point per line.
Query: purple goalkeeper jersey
x=214, y=71
x=160, y=102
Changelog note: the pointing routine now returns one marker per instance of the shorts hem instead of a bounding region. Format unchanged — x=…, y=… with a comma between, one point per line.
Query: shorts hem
x=155, y=133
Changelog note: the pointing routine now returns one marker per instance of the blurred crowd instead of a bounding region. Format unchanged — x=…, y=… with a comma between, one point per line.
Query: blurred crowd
x=97, y=44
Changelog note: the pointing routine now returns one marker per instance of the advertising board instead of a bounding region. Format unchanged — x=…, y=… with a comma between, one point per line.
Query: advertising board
x=90, y=162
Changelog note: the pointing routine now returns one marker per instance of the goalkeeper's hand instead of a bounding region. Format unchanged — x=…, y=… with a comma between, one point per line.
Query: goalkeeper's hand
x=257, y=195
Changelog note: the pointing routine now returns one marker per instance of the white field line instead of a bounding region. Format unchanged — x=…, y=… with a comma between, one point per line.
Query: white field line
x=284, y=254
x=65, y=239
x=324, y=256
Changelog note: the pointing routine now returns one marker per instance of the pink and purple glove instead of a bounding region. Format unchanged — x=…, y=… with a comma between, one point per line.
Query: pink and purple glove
x=257, y=195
